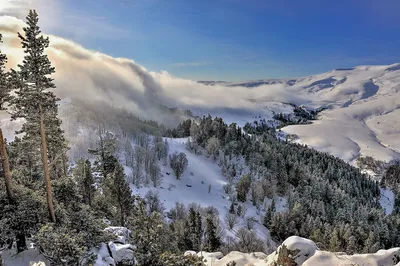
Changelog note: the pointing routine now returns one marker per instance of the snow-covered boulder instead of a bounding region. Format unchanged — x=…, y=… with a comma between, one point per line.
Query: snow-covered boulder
x=210, y=258
x=294, y=249
x=121, y=252
x=122, y=233
x=298, y=251
x=390, y=257
x=190, y=253
x=242, y=259
x=116, y=251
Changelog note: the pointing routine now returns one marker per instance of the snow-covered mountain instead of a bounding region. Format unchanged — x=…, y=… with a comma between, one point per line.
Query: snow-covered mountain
x=362, y=109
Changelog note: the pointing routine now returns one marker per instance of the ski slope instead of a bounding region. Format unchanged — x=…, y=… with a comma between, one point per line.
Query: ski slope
x=194, y=189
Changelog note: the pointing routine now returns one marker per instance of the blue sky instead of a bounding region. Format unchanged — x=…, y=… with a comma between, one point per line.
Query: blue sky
x=236, y=39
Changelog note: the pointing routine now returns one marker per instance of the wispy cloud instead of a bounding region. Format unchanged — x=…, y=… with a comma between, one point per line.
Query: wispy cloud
x=58, y=18
x=192, y=64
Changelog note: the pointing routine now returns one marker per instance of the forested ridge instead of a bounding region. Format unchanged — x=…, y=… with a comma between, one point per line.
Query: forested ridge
x=330, y=201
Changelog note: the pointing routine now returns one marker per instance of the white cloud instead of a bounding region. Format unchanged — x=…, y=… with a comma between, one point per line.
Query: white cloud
x=57, y=18
x=92, y=75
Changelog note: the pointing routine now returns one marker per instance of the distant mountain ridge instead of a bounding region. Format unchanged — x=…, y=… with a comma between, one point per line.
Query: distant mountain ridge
x=362, y=109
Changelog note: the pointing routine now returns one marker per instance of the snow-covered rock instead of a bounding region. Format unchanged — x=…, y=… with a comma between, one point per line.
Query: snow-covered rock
x=122, y=233
x=190, y=253
x=298, y=251
x=210, y=258
x=294, y=248
x=116, y=251
x=242, y=258
x=121, y=252
x=389, y=257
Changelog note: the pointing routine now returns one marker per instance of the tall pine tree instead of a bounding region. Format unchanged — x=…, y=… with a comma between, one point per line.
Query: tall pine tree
x=35, y=103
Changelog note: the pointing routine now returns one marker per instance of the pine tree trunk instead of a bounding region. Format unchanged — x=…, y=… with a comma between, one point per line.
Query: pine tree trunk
x=21, y=242
x=55, y=170
x=121, y=209
x=46, y=171
x=64, y=162
x=122, y=214
x=6, y=168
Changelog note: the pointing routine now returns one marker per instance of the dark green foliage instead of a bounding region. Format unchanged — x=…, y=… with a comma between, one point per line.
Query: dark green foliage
x=66, y=192
x=391, y=177
x=31, y=86
x=232, y=208
x=60, y=245
x=169, y=259
x=119, y=193
x=195, y=229
x=211, y=241
x=181, y=131
x=269, y=214
x=24, y=217
x=85, y=180
x=242, y=187
x=150, y=235
x=300, y=115
x=325, y=193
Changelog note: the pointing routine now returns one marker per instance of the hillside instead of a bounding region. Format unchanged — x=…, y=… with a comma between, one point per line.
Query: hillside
x=362, y=109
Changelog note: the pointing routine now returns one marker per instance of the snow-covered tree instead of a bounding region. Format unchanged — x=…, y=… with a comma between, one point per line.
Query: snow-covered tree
x=231, y=220
x=213, y=147
x=178, y=163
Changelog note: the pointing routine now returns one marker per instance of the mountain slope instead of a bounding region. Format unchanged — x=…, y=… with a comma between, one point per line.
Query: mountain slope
x=362, y=109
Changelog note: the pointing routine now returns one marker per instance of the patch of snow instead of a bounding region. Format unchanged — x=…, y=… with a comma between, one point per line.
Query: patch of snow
x=122, y=233
x=27, y=257
x=194, y=189
x=387, y=200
